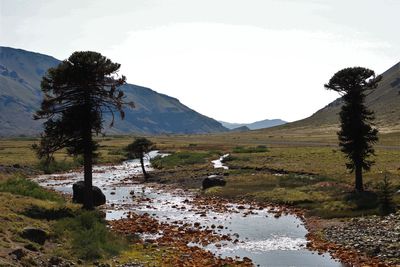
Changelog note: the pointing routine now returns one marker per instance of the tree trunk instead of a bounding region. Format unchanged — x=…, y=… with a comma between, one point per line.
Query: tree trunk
x=143, y=169
x=88, y=158
x=359, y=179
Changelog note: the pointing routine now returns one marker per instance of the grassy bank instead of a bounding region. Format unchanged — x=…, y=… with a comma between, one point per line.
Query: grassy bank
x=72, y=235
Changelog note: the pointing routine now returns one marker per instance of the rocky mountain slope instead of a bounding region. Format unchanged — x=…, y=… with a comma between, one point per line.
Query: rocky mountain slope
x=20, y=96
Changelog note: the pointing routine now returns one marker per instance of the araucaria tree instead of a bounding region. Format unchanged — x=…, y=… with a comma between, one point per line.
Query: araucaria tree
x=138, y=149
x=77, y=93
x=357, y=133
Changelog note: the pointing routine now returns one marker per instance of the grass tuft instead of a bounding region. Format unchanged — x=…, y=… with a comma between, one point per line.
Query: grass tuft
x=90, y=238
x=59, y=166
x=24, y=187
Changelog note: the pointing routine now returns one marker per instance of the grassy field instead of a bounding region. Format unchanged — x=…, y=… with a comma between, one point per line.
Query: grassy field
x=305, y=169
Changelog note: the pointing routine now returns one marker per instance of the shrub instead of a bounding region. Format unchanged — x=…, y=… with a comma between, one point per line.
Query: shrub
x=90, y=239
x=363, y=200
x=59, y=166
x=386, y=204
x=24, y=187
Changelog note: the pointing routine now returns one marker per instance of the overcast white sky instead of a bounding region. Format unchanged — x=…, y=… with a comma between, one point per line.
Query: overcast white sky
x=232, y=60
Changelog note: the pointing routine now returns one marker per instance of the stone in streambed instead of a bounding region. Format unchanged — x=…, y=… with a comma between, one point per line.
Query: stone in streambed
x=78, y=189
x=212, y=181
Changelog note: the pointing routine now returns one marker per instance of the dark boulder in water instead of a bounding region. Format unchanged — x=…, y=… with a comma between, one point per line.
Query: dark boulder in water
x=78, y=196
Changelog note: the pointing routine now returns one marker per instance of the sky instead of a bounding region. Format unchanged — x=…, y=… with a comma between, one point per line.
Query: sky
x=232, y=60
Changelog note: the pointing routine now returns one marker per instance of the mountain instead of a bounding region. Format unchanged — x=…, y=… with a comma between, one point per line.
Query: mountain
x=384, y=101
x=20, y=96
x=255, y=125
x=240, y=129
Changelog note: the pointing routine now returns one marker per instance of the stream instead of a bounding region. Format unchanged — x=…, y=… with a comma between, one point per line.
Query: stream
x=265, y=239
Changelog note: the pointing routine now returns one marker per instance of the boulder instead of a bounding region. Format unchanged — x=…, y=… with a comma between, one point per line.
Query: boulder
x=212, y=181
x=33, y=234
x=17, y=254
x=78, y=196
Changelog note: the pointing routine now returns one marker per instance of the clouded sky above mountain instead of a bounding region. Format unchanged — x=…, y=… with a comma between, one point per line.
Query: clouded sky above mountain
x=233, y=60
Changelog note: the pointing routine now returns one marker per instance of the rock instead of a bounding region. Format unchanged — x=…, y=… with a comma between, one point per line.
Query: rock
x=55, y=261
x=17, y=254
x=79, y=194
x=31, y=247
x=213, y=181
x=33, y=234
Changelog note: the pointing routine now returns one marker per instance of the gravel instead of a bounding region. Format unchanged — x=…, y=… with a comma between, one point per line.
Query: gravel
x=376, y=236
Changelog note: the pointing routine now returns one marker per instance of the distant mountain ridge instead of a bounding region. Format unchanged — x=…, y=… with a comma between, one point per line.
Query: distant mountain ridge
x=254, y=125
x=20, y=96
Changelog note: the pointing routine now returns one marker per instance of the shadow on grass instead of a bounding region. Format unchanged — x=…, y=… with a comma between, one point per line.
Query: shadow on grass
x=37, y=212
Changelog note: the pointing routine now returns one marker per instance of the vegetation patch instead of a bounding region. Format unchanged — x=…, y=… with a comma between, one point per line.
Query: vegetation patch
x=294, y=180
x=290, y=196
x=38, y=212
x=59, y=166
x=257, y=149
x=24, y=187
x=180, y=159
x=89, y=237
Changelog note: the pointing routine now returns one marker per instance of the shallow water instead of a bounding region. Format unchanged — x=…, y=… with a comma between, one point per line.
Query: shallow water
x=267, y=240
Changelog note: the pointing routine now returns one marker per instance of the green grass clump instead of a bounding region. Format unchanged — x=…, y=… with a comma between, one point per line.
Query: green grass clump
x=290, y=196
x=89, y=237
x=180, y=159
x=294, y=180
x=59, y=166
x=257, y=149
x=24, y=187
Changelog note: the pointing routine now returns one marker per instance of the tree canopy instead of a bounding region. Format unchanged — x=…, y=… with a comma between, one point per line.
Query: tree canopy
x=138, y=149
x=357, y=133
x=77, y=94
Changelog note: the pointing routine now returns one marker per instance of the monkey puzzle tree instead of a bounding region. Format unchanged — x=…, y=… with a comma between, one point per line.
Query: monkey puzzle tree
x=77, y=93
x=357, y=134
x=138, y=149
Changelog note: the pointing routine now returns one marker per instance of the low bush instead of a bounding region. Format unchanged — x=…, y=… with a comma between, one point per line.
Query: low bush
x=89, y=237
x=363, y=200
x=59, y=166
x=386, y=192
x=24, y=187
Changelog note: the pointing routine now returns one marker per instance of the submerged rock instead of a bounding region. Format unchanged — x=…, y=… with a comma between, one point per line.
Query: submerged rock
x=78, y=189
x=212, y=181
